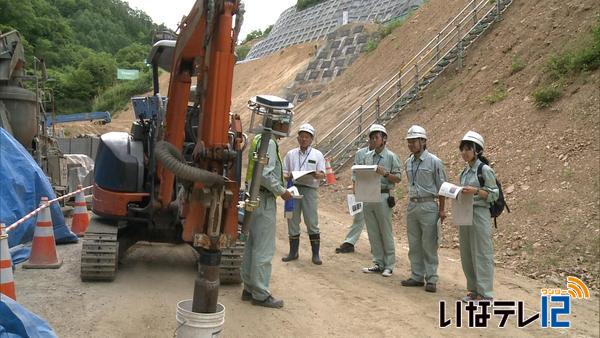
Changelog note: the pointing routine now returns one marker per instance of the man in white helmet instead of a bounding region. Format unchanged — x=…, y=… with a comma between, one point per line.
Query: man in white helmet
x=425, y=173
x=358, y=221
x=305, y=158
x=378, y=215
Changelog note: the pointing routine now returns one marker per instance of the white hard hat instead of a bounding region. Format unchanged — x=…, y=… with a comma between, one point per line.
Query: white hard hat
x=377, y=127
x=307, y=128
x=416, y=132
x=474, y=137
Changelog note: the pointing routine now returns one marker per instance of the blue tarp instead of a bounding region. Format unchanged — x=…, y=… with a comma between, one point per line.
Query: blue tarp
x=22, y=185
x=17, y=322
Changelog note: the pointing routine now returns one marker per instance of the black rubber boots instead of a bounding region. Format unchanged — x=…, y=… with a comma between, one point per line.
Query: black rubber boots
x=315, y=243
x=293, y=255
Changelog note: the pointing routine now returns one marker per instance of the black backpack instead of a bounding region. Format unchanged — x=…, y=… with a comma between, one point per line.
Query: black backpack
x=498, y=206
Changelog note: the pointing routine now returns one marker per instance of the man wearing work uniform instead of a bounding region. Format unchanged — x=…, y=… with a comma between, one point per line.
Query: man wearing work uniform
x=358, y=221
x=260, y=245
x=305, y=158
x=378, y=215
x=425, y=174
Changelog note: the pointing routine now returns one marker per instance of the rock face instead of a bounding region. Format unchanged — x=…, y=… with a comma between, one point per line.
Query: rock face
x=315, y=22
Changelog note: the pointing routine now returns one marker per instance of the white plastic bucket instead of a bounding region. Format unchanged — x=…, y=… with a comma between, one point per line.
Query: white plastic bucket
x=193, y=324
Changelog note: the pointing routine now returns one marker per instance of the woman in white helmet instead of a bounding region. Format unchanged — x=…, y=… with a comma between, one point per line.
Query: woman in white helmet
x=476, y=248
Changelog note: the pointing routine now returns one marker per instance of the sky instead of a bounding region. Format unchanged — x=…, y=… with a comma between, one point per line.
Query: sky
x=259, y=13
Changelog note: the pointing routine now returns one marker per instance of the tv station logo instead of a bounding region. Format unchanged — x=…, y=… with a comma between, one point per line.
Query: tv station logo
x=555, y=309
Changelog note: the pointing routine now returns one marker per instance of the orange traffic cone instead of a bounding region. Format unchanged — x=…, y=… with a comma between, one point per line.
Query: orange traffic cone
x=329, y=175
x=43, y=249
x=7, y=282
x=81, y=219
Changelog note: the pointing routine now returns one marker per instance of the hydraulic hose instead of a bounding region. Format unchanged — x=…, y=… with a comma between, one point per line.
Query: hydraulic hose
x=173, y=160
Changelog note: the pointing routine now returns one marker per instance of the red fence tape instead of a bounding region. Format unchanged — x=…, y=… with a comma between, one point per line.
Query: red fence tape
x=34, y=212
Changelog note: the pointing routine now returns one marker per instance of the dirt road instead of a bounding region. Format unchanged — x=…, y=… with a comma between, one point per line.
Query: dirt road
x=334, y=299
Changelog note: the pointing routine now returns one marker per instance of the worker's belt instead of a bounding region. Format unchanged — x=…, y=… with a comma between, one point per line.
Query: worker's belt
x=263, y=189
x=385, y=191
x=422, y=199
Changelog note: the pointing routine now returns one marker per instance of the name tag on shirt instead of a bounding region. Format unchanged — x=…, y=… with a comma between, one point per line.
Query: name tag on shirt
x=312, y=161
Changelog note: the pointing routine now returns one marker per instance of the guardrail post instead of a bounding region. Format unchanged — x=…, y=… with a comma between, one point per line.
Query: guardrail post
x=377, y=107
x=437, y=48
x=360, y=116
x=498, y=10
x=416, y=73
x=459, y=47
x=399, y=84
x=474, y=10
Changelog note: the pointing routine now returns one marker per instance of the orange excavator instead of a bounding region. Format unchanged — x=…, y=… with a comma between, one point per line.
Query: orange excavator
x=176, y=176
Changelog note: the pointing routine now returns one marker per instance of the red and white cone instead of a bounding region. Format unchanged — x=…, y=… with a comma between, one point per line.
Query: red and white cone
x=81, y=219
x=329, y=175
x=43, y=248
x=7, y=282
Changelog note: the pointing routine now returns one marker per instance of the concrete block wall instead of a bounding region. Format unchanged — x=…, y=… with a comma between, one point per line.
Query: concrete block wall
x=319, y=21
x=340, y=50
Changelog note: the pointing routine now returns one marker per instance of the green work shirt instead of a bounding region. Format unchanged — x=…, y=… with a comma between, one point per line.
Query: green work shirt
x=386, y=159
x=425, y=175
x=272, y=175
x=469, y=177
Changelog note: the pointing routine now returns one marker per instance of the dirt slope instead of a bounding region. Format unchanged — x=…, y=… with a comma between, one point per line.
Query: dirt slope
x=547, y=159
x=371, y=70
x=268, y=75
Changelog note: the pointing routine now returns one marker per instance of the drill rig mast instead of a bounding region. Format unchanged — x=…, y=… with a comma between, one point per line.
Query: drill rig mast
x=176, y=177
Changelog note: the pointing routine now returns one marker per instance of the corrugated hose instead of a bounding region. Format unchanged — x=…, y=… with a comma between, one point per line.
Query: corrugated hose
x=173, y=160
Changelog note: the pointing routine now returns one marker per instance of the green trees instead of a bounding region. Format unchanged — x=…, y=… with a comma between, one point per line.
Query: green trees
x=303, y=4
x=132, y=56
x=243, y=48
x=82, y=43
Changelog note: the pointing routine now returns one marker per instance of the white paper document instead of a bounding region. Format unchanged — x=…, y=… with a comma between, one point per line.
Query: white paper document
x=295, y=193
x=449, y=190
x=353, y=206
x=304, y=177
x=462, y=210
x=462, y=205
x=367, y=187
x=300, y=173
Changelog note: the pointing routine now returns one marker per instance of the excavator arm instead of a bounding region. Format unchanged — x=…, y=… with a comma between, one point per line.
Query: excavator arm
x=205, y=50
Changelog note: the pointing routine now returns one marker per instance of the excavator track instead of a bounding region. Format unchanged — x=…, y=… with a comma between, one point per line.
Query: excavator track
x=99, y=252
x=231, y=263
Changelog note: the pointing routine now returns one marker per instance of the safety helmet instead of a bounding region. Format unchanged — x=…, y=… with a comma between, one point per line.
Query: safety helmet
x=307, y=128
x=474, y=137
x=377, y=127
x=416, y=132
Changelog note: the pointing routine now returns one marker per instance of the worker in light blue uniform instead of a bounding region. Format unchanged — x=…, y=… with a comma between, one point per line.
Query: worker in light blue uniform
x=476, y=247
x=358, y=221
x=260, y=245
x=378, y=215
x=425, y=173
x=305, y=158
